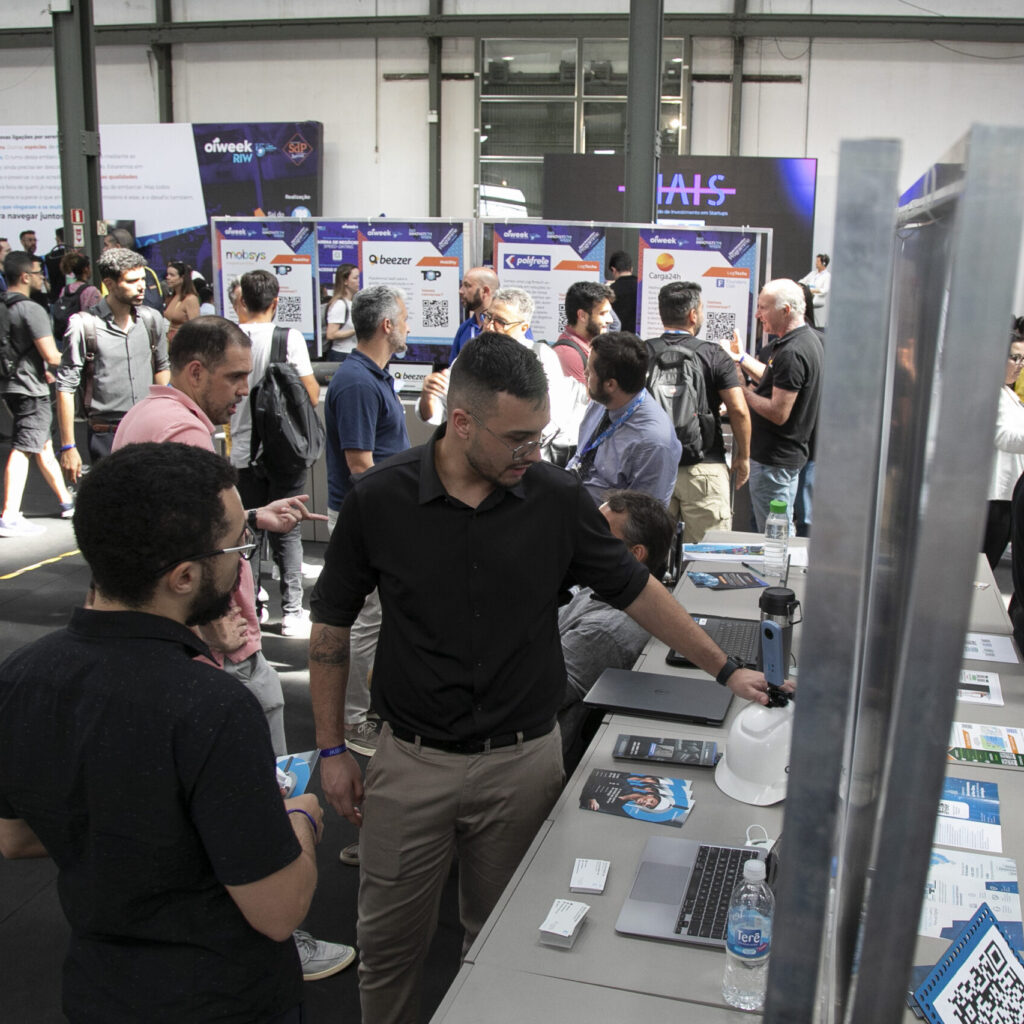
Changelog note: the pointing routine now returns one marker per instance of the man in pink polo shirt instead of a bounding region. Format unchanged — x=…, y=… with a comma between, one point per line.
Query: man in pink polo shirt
x=211, y=359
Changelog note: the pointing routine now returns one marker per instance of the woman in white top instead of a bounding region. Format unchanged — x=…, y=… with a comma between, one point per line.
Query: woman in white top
x=340, y=332
x=1009, y=460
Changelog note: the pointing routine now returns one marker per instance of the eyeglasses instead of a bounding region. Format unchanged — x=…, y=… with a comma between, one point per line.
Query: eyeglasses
x=520, y=451
x=246, y=550
x=490, y=318
x=1016, y=359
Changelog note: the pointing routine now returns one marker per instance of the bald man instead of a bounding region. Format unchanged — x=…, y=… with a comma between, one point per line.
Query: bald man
x=476, y=290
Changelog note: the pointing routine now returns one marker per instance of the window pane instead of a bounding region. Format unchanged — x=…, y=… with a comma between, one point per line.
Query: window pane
x=671, y=67
x=526, y=129
x=672, y=128
x=604, y=127
x=511, y=189
x=527, y=67
x=605, y=67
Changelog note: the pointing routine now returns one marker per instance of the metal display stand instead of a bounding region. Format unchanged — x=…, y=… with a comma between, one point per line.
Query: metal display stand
x=919, y=332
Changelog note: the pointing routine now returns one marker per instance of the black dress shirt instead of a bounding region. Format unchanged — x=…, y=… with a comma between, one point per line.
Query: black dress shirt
x=469, y=644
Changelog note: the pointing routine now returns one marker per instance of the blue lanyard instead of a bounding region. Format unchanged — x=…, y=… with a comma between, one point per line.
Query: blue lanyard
x=630, y=409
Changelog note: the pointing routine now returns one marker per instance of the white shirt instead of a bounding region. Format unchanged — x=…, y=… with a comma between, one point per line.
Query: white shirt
x=340, y=312
x=1009, y=457
x=296, y=353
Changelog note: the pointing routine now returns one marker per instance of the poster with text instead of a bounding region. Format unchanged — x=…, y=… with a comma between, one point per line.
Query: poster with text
x=285, y=248
x=424, y=260
x=168, y=180
x=545, y=260
x=337, y=242
x=724, y=264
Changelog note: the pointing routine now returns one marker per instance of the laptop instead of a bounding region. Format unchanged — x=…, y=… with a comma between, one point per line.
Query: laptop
x=693, y=698
x=739, y=638
x=682, y=889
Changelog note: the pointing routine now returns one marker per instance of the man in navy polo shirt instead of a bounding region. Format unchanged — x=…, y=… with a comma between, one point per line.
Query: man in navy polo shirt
x=365, y=424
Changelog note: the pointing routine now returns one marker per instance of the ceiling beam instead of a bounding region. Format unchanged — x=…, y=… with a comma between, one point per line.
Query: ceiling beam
x=550, y=26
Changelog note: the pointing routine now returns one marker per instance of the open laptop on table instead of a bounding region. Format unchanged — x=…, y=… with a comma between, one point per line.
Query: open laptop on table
x=684, y=698
x=739, y=638
x=682, y=889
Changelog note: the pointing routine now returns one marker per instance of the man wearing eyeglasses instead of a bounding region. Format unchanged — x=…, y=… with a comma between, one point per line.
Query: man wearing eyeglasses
x=211, y=359
x=468, y=539
x=182, y=871
x=510, y=313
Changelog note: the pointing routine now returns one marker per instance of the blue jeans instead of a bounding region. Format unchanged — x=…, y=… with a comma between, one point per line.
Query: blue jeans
x=804, y=496
x=770, y=483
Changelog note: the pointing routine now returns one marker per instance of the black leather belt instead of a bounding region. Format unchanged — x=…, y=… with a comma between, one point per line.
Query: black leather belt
x=473, y=746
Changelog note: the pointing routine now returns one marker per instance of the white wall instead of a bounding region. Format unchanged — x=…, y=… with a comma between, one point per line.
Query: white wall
x=922, y=93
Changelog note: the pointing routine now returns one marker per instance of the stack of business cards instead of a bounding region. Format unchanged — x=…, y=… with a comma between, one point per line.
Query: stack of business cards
x=589, y=875
x=563, y=923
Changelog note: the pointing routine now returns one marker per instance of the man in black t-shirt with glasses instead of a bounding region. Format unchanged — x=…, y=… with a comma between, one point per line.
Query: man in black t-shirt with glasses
x=148, y=776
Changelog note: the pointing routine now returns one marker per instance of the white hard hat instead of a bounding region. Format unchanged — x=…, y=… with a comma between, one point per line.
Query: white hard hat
x=755, y=766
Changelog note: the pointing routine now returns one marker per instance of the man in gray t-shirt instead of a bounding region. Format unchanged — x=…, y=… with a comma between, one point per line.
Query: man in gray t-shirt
x=27, y=395
x=596, y=636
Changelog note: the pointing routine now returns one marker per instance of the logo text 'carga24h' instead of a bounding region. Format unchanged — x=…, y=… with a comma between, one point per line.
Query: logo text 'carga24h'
x=297, y=149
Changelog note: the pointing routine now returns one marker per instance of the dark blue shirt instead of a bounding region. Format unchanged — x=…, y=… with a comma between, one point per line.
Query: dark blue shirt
x=364, y=414
x=469, y=328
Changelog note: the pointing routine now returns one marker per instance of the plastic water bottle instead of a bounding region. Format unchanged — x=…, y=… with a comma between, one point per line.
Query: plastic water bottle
x=776, y=540
x=749, y=939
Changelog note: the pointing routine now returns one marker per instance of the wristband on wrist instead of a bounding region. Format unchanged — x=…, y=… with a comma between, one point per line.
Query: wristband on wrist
x=68, y=447
x=743, y=355
x=341, y=748
x=309, y=818
x=250, y=518
x=726, y=671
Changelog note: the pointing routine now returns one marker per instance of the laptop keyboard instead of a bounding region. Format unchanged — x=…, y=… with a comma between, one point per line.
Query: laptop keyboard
x=739, y=639
x=705, y=909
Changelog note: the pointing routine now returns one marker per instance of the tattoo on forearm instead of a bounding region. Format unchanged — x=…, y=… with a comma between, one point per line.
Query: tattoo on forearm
x=328, y=650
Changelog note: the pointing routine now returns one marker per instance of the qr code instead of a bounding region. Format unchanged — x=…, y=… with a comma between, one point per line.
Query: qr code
x=289, y=310
x=563, y=321
x=435, y=312
x=991, y=992
x=719, y=325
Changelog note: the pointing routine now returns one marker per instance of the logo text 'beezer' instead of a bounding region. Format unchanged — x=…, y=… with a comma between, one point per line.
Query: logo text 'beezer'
x=694, y=194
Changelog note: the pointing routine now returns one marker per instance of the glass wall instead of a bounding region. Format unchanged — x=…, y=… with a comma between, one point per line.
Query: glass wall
x=561, y=96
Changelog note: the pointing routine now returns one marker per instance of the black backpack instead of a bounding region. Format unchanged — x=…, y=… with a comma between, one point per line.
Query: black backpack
x=68, y=303
x=10, y=351
x=287, y=434
x=675, y=379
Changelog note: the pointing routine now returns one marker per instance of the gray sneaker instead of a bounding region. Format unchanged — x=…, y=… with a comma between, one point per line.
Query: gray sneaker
x=350, y=854
x=321, y=959
x=362, y=737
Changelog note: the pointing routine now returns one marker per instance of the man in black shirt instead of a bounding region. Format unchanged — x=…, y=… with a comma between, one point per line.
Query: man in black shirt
x=149, y=776
x=783, y=400
x=468, y=539
x=623, y=283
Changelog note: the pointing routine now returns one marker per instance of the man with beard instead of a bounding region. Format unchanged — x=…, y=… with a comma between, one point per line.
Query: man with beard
x=210, y=366
x=626, y=441
x=588, y=313
x=181, y=870
x=476, y=290
x=469, y=539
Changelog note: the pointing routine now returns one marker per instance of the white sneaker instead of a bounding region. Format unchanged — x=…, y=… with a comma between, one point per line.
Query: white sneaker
x=321, y=959
x=18, y=526
x=296, y=624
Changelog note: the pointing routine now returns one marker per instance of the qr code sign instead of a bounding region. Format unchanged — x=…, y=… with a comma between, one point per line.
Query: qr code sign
x=991, y=991
x=289, y=310
x=563, y=321
x=719, y=324
x=435, y=312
